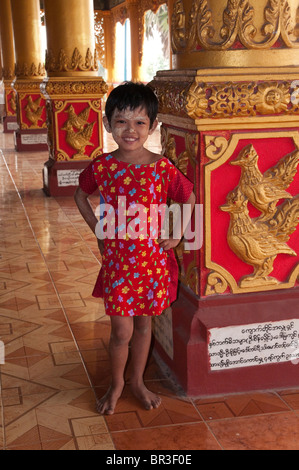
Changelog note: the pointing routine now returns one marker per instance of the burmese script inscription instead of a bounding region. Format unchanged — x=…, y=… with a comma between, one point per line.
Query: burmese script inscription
x=68, y=177
x=254, y=345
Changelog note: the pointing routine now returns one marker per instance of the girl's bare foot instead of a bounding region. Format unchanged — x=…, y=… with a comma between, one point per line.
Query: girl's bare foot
x=148, y=399
x=106, y=405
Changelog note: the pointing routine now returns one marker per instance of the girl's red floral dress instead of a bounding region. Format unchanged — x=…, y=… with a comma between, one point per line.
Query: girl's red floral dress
x=137, y=276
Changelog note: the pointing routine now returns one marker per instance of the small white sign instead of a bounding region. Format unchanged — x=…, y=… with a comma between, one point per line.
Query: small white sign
x=68, y=177
x=32, y=139
x=253, y=345
x=12, y=126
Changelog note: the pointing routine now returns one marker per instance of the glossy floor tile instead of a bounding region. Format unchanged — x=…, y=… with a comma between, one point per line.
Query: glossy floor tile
x=56, y=344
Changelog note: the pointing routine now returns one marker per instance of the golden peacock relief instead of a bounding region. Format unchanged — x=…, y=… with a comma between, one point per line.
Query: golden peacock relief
x=258, y=241
x=79, y=131
x=34, y=110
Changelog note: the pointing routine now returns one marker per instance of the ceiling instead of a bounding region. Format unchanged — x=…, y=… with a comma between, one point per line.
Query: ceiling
x=100, y=4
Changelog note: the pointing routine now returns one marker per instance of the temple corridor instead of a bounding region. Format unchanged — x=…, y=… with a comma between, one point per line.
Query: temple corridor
x=56, y=338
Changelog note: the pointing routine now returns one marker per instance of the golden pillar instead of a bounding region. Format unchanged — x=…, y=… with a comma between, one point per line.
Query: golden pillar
x=8, y=62
x=73, y=91
x=109, y=45
x=230, y=115
x=137, y=29
x=30, y=71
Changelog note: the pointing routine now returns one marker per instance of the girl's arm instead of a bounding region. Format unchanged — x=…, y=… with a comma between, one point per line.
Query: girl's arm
x=171, y=242
x=81, y=199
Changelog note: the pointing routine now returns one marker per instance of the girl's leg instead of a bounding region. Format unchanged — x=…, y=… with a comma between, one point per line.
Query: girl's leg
x=121, y=333
x=140, y=347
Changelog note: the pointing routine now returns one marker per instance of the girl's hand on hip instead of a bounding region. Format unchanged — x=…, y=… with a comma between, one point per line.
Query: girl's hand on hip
x=168, y=243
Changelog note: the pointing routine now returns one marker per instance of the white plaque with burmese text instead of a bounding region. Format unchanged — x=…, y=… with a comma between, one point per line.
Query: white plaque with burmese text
x=68, y=177
x=254, y=345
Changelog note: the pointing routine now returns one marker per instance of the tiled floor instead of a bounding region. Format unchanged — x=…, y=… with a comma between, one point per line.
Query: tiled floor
x=56, y=337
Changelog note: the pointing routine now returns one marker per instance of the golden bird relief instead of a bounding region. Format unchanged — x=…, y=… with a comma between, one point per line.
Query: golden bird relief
x=265, y=190
x=34, y=110
x=258, y=241
x=80, y=121
x=13, y=103
x=79, y=131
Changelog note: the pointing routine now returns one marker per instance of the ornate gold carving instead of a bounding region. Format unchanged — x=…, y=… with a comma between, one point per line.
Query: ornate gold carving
x=54, y=87
x=178, y=27
x=215, y=146
x=216, y=284
x=27, y=86
x=264, y=191
x=8, y=73
x=120, y=14
x=13, y=102
x=33, y=70
x=100, y=37
x=152, y=5
x=34, y=110
x=79, y=131
x=76, y=63
x=276, y=228
x=231, y=99
x=196, y=101
x=188, y=155
x=271, y=98
x=136, y=9
x=218, y=100
x=173, y=97
x=240, y=22
x=258, y=241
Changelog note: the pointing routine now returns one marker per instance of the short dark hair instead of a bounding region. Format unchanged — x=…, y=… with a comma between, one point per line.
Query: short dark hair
x=132, y=95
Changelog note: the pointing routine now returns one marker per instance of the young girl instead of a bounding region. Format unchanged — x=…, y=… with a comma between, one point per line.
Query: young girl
x=139, y=275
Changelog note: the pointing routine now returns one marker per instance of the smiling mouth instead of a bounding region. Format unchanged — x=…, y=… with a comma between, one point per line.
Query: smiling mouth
x=130, y=139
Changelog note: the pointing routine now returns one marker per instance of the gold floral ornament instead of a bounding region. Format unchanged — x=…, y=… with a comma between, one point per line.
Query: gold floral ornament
x=24, y=70
x=218, y=100
x=76, y=63
x=178, y=36
x=196, y=101
x=231, y=99
x=215, y=146
x=216, y=284
x=271, y=98
x=212, y=28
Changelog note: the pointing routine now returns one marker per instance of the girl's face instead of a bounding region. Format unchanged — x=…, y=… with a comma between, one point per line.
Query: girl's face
x=130, y=128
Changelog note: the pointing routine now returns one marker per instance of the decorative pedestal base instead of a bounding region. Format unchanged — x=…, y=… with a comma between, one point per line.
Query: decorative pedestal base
x=62, y=178
x=232, y=345
x=238, y=330
x=10, y=124
x=31, y=141
x=31, y=115
x=74, y=116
